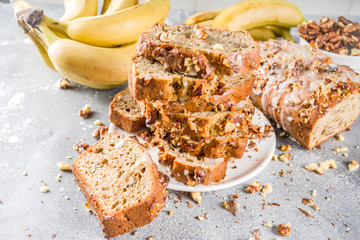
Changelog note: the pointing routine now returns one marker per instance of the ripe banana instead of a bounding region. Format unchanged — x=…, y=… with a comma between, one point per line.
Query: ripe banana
x=201, y=17
x=114, y=29
x=257, y=13
x=261, y=33
x=91, y=66
x=117, y=5
x=206, y=23
x=105, y=6
x=281, y=32
x=79, y=8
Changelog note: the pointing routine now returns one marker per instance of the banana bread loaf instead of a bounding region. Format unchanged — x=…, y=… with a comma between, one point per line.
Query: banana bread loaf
x=200, y=51
x=307, y=95
x=124, y=113
x=188, y=169
x=121, y=183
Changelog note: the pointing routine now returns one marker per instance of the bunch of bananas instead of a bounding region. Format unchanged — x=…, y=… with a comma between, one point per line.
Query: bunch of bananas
x=92, y=50
x=264, y=19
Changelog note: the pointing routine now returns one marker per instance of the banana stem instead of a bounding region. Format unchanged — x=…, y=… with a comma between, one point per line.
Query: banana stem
x=56, y=25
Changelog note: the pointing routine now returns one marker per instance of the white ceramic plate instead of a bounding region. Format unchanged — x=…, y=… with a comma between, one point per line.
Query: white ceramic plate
x=351, y=61
x=251, y=164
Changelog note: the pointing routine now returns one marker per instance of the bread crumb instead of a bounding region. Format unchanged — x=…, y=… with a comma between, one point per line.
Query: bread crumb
x=345, y=154
x=151, y=238
x=275, y=157
x=341, y=149
x=267, y=188
x=284, y=157
x=25, y=173
x=85, y=111
x=58, y=177
x=313, y=193
x=87, y=206
x=285, y=148
x=69, y=157
x=268, y=224
x=170, y=212
x=254, y=187
x=64, y=83
x=316, y=208
x=323, y=166
x=44, y=189
x=67, y=197
x=189, y=204
x=353, y=166
x=263, y=194
x=63, y=166
x=74, y=208
x=200, y=218
x=197, y=197
x=340, y=137
x=98, y=122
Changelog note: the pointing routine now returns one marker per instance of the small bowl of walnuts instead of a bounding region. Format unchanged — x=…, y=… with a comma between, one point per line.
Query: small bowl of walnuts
x=338, y=39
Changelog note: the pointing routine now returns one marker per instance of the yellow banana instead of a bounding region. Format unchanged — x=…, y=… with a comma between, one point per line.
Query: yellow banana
x=79, y=8
x=105, y=6
x=257, y=13
x=114, y=29
x=281, y=32
x=261, y=34
x=201, y=17
x=117, y=5
x=91, y=66
x=206, y=23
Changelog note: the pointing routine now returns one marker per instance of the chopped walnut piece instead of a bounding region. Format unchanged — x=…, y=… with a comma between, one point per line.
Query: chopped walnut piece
x=254, y=187
x=64, y=83
x=100, y=131
x=341, y=149
x=200, y=32
x=268, y=224
x=85, y=111
x=354, y=165
x=63, y=166
x=275, y=157
x=200, y=218
x=98, y=122
x=218, y=47
x=328, y=163
x=284, y=157
x=197, y=197
x=81, y=148
x=231, y=206
x=285, y=148
x=267, y=188
x=189, y=204
x=284, y=229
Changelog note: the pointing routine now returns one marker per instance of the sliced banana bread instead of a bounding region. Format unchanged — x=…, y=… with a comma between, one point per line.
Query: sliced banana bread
x=124, y=113
x=307, y=95
x=189, y=169
x=231, y=146
x=208, y=123
x=200, y=51
x=121, y=183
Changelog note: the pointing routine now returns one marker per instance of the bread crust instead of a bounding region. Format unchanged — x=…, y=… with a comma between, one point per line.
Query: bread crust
x=125, y=121
x=210, y=63
x=121, y=222
x=301, y=93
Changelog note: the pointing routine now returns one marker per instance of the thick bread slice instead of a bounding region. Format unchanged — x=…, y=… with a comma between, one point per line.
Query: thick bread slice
x=200, y=51
x=232, y=146
x=121, y=183
x=300, y=89
x=189, y=169
x=125, y=113
x=208, y=123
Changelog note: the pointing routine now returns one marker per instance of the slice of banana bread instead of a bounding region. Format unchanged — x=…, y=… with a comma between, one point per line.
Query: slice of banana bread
x=200, y=51
x=189, y=169
x=124, y=113
x=121, y=183
x=300, y=89
x=208, y=123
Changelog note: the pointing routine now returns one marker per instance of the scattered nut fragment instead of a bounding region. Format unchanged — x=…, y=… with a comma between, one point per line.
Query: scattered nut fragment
x=231, y=206
x=283, y=134
x=285, y=148
x=197, y=197
x=323, y=166
x=25, y=173
x=284, y=157
x=354, y=165
x=268, y=224
x=44, y=189
x=341, y=149
x=275, y=157
x=63, y=166
x=328, y=163
x=85, y=111
x=100, y=131
x=151, y=238
x=314, y=167
x=313, y=193
x=98, y=122
x=254, y=187
x=218, y=47
x=64, y=83
x=87, y=206
x=200, y=218
x=316, y=208
x=58, y=177
x=284, y=229
x=267, y=188
x=170, y=212
x=340, y=137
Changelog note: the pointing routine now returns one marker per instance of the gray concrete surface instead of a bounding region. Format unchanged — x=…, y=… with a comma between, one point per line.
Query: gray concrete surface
x=40, y=123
